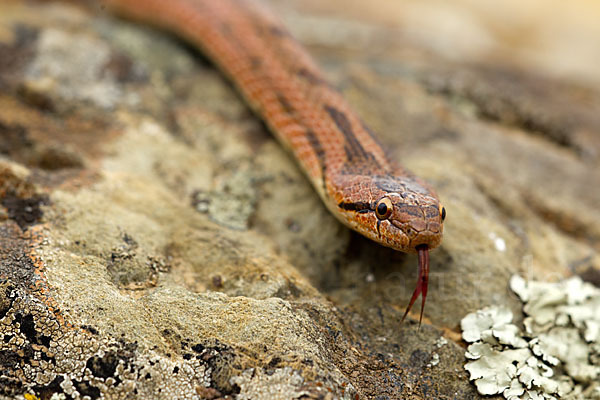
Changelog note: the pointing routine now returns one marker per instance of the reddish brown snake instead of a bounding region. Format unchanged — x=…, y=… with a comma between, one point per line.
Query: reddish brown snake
x=346, y=164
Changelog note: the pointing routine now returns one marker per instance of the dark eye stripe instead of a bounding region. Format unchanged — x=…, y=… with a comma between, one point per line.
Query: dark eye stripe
x=360, y=207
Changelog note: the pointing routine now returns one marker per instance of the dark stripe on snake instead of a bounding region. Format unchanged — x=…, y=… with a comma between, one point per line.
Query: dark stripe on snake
x=311, y=77
x=278, y=31
x=354, y=150
x=287, y=107
x=313, y=141
x=317, y=147
x=255, y=62
x=414, y=211
x=359, y=206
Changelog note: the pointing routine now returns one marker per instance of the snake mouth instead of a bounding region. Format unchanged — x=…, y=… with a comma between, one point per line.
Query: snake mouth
x=422, y=280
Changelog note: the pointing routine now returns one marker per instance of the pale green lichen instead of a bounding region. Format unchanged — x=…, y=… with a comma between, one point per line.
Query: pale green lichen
x=441, y=342
x=435, y=360
x=558, y=355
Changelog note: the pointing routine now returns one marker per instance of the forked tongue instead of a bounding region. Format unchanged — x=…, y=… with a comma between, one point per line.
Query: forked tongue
x=422, y=280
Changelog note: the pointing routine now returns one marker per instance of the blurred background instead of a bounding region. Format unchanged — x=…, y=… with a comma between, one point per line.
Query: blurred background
x=560, y=39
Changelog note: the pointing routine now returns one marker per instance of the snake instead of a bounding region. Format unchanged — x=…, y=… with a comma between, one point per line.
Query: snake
x=360, y=184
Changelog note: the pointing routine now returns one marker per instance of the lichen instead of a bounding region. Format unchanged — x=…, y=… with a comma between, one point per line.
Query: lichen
x=555, y=356
x=282, y=383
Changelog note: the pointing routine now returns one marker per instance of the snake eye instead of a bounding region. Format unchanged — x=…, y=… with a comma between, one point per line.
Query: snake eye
x=442, y=212
x=384, y=208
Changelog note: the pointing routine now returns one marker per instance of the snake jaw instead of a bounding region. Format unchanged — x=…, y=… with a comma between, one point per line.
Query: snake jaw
x=422, y=281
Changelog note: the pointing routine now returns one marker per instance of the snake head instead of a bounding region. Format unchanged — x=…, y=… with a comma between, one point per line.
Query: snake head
x=401, y=212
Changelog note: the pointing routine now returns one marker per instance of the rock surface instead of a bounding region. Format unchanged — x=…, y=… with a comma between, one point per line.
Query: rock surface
x=156, y=242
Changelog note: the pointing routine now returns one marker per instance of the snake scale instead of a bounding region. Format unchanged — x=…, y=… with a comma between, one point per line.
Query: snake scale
x=346, y=164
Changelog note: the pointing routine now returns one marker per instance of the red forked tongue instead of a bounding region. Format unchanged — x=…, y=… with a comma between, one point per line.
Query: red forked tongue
x=422, y=280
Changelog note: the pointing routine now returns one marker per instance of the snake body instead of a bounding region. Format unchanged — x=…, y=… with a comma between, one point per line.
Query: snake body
x=347, y=166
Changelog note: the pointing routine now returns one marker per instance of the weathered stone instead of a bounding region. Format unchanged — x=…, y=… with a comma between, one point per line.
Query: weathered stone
x=156, y=242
